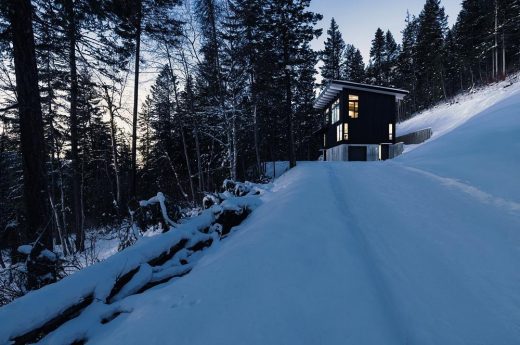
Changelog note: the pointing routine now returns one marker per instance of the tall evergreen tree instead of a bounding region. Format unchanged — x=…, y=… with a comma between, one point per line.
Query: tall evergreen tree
x=332, y=55
x=432, y=27
x=20, y=15
x=391, y=55
x=377, y=58
x=354, y=67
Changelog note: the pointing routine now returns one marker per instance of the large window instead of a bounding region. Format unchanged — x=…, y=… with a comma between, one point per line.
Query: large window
x=353, y=106
x=390, y=132
x=335, y=111
x=339, y=132
x=345, y=131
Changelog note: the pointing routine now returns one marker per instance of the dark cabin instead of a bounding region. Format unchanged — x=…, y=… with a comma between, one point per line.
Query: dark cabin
x=359, y=121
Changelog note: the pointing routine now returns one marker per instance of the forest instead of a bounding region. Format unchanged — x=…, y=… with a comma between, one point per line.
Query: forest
x=83, y=139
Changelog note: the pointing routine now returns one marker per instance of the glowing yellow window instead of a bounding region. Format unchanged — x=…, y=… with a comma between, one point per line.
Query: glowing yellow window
x=345, y=131
x=353, y=106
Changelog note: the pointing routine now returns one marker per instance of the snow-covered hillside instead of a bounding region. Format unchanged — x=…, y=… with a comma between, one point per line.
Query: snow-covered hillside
x=445, y=117
x=423, y=249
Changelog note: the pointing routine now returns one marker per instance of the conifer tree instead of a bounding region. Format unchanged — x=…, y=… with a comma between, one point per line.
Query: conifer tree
x=353, y=67
x=432, y=27
x=332, y=55
x=391, y=55
x=377, y=58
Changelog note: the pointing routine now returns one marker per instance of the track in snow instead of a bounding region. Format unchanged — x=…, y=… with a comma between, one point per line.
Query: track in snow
x=347, y=253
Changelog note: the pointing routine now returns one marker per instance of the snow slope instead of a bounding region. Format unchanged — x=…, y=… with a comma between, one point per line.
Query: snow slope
x=423, y=249
x=420, y=250
x=445, y=117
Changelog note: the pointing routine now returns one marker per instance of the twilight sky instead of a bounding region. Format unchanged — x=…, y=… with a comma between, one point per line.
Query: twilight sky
x=358, y=20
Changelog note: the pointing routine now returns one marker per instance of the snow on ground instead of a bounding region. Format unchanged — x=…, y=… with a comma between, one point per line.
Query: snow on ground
x=443, y=118
x=423, y=249
x=419, y=250
x=482, y=156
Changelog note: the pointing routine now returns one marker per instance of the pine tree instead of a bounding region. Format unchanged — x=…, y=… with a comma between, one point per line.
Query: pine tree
x=20, y=16
x=307, y=120
x=354, y=67
x=292, y=26
x=332, y=55
x=407, y=75
x=391, y=55
x=474, y=38
x=432, y=27
x=377, y=58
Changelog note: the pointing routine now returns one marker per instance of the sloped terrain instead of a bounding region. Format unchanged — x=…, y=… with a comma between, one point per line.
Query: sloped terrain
x=423, y=249
x=420, y=250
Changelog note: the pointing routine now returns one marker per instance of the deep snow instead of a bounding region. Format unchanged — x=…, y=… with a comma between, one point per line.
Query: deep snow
x=423, y=249
x=420, y=250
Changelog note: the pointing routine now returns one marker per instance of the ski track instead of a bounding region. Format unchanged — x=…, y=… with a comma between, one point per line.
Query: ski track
x=472, y=191
x=387, y=305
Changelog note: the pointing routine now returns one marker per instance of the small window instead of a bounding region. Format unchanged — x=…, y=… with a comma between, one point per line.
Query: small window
x=339, y=132
x=327, y=116
x=353, y=106
x=390, y=132
x=335, y=111
x=345, y=131
x=324, y=140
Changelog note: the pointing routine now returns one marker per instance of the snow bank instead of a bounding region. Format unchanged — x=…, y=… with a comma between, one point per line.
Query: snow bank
x=483, y=153
x=38, y=307
x=446, y=117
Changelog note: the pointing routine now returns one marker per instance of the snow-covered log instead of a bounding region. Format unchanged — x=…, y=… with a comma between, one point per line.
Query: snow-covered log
x=49, y=313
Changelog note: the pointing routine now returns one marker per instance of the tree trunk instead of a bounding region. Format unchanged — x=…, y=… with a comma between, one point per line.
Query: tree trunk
x=133, y=173
x=184, y=146
x=503, y=57
x=31, y=123
x=113, y=143
x=257, y=144
x=199, y=162
x=76, y=190
x=288, y=100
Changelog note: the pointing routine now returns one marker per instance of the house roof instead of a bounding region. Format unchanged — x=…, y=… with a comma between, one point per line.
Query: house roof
x=333, y=88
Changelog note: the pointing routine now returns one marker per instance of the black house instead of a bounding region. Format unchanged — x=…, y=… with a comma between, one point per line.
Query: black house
x=359, y=121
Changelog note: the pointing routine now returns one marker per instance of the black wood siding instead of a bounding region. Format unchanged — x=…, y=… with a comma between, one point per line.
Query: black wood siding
x=376, y=111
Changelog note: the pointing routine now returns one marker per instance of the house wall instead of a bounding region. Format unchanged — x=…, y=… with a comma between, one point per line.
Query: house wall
x=340, y=152
x=376, y=111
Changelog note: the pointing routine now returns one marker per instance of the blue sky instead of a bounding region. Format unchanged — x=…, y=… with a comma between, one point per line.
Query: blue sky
x=358, y=20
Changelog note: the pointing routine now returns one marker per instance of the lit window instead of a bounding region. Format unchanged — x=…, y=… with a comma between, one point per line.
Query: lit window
x=339, y=132
x=390, y=132
x=335, y=111
x=353, y=106
x=327, y=116
x=324, y=140
x=345, y=131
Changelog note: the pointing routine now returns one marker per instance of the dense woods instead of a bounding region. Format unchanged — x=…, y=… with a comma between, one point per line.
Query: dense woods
x=83, y=137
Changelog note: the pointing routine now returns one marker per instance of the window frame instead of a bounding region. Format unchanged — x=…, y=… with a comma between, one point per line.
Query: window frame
x=335, y=116
x=353, y=103
x=345, y=131
x=339, y=132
